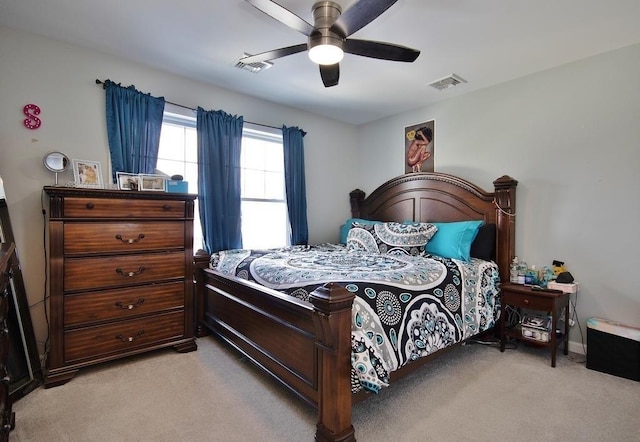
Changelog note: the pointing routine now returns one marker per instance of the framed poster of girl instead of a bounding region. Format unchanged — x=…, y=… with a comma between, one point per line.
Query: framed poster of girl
x=419, y=147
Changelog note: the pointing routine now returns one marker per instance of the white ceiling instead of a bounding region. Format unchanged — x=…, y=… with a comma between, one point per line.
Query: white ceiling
x=483, y=41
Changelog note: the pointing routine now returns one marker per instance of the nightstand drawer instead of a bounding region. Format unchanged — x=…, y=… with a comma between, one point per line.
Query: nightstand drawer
x=527, y=301
x=122, y=336
x=113, y=271
x=92, y=238
x=86, y=308
x=122, y=208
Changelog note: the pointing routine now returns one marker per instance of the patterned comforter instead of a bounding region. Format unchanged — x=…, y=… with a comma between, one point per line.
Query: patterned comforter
x=405, y=307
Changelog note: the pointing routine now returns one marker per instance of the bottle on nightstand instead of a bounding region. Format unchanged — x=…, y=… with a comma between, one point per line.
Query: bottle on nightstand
x=513, y=271
x=522, y=271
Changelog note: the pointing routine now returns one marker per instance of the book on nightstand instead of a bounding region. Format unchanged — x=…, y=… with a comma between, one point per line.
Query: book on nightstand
x=572, y=287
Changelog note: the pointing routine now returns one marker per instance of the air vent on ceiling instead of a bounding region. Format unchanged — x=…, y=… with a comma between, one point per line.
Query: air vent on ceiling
x=253, y=67
x=447, y=82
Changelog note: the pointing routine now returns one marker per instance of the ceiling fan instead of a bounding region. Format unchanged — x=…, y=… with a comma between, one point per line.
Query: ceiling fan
x=327, y=37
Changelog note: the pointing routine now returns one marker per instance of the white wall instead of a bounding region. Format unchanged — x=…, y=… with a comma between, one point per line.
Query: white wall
x=60, y=79
x=571, y=137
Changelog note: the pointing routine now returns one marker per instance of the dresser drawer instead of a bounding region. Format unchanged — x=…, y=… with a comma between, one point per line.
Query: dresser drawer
x=122, y=208
x=86, y=308
x=122, y=336
x=101, y=237
x=114, y=271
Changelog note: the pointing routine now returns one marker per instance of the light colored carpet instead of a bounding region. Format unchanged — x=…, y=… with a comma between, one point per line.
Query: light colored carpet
x=473, y=393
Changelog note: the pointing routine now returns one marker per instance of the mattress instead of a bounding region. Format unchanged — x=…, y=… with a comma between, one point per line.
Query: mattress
x=405, y=307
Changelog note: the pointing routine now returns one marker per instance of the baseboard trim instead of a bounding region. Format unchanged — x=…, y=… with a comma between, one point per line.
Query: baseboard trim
x=577, y=347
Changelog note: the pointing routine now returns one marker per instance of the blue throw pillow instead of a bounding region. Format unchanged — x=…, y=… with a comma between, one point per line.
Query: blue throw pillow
x=453, y=240
x=344, y=229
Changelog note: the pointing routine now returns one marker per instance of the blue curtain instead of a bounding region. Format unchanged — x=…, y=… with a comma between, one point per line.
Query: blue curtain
x=134, y=121
x=219, y=140
x=295, y=183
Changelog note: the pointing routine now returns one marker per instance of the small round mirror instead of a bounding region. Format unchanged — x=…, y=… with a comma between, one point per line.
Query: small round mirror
x=56, y=162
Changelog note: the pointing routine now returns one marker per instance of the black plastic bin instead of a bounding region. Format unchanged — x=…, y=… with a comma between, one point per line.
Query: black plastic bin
x=613, y=348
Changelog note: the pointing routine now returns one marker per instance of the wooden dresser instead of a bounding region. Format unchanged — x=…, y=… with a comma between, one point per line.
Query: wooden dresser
x=120, y=276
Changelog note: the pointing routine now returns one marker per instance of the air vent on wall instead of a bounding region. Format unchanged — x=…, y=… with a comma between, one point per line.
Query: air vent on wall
x=447, y=82
x=253, y=67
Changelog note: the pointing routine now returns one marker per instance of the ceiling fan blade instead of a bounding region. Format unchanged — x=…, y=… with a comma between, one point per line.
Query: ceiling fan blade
x=380, y=50
x=330, y=74
x=359, y=14
x=272, y=55
x=283, y=15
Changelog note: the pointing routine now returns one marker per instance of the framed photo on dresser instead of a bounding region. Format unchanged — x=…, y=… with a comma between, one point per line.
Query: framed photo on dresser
x=153, y=182
x=87, y=173
x=128, y=181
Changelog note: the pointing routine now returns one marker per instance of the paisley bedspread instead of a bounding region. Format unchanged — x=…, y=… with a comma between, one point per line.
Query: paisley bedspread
x=405, y=307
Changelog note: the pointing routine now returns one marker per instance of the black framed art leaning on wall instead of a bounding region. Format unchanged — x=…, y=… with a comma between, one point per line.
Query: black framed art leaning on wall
x=23, y=364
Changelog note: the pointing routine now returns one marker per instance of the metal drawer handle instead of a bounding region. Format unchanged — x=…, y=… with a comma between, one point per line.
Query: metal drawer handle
x=90, y=206
x=130, y=240
x=166, y=207
x=526, y=301
x=130, y=306
x=130, y=338
x=130, y=274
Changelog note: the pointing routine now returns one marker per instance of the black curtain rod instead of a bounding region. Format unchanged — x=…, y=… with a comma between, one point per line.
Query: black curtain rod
x=190, y=108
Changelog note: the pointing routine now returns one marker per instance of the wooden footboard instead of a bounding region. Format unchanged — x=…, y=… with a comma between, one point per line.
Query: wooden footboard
x=305, y=347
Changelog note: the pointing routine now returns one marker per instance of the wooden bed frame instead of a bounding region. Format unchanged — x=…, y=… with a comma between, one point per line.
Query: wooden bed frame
x=307, y=345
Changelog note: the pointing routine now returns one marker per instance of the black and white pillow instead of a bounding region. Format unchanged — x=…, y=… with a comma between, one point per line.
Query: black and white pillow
x=393, y=238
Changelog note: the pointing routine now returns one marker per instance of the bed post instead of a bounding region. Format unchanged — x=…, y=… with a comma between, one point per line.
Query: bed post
x=332, y=319
x=355, y=198
x=505, y=201
x=200, y=262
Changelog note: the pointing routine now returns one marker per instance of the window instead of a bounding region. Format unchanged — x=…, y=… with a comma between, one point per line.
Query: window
x=178, y=155
x=264, y=208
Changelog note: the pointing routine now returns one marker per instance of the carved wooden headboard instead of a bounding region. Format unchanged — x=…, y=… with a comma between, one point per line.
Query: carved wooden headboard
x=439, y=197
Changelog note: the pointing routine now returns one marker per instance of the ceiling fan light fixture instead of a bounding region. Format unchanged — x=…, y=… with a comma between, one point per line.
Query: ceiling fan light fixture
x=328, y=37
x=326, y=54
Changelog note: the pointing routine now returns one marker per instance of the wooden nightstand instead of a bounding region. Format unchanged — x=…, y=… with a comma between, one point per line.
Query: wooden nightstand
x=539, y=300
